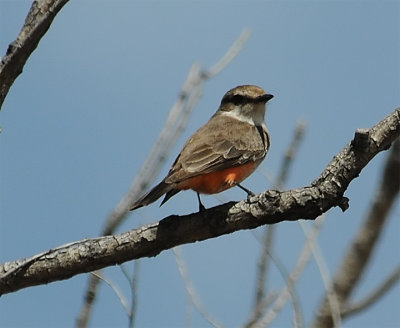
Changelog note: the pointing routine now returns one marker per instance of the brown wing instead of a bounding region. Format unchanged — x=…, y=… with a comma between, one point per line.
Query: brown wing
x=213, y=148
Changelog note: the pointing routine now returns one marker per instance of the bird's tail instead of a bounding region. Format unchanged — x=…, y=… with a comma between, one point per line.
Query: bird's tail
x=154, y=194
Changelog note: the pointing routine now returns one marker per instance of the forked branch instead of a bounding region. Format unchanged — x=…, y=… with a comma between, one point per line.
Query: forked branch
x=36, y=24
x=269, y=207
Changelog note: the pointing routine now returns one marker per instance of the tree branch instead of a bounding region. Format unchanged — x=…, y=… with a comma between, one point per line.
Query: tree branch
x=361, y=250
x=294, y=276
x=377, y=294
x=191, y=290
x=269, y=233
x=173, y=128
x=268, y=207
x=36, y=24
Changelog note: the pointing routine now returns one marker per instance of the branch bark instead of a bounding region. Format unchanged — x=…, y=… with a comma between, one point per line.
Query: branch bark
x=268, y=207
x=36, y=24
x=360, y=252
x=269, y=234
x=176, y=122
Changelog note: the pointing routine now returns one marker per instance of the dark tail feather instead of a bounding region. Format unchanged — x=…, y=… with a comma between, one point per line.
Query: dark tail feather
x=154, y=194
x=169, y=194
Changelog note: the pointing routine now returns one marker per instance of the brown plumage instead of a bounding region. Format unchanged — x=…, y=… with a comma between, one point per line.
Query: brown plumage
x=223, y=152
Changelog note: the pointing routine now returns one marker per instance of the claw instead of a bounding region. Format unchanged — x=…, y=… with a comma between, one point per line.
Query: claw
x=201, y=206
x=249, y=192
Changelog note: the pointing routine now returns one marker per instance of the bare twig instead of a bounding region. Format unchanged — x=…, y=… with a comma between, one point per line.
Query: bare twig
x=173, y=127
x=133, y=284
x=360, y=252
x=189, y=312
x=325, y=275
x=263, y=265
x=272, y=297
x=36, y=24
x=263, y=262
x=268, y=207
x=294, y=276
x=381, y=290
x=175, y=124
x=114, y=287
x=191, y=290
x=232, y=52
x=291, y=154
x=158, y=155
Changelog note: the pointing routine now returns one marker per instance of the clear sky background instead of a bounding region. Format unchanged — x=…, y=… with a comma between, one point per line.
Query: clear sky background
x=81, y=119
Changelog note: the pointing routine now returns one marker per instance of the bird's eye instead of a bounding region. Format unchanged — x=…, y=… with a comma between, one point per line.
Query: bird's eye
x=237, y=99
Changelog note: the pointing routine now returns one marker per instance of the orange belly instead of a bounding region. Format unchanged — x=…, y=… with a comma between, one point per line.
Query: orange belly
x=215, y=182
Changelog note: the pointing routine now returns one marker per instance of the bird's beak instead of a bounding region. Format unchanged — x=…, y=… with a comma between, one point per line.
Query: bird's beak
x=266, y=97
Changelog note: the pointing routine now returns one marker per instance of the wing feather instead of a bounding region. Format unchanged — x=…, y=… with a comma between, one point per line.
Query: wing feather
x=212, y=148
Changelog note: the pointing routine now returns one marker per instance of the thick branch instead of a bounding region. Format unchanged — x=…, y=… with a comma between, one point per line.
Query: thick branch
x=266, y=208
x=177, y=120
x=269, y=234
x=36, y=24
x=361, y=250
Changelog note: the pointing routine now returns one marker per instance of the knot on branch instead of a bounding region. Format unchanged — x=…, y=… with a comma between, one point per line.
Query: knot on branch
x=361, y=139
x=343, y=203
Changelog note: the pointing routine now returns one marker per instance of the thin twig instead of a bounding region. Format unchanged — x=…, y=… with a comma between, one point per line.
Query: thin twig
x=271, y=297
x=232, y=52
x=290, y=154
x=114, y=287
x=133, y=284
x=191, y=290
x=175, y=124
x=268, y=207
x=325, y=275
x=189, y=312
x=263, y=262
x=380, y=291
x=294, y=276
x=176, y=121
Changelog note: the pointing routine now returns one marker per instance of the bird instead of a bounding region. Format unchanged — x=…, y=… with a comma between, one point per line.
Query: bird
x=221, y=153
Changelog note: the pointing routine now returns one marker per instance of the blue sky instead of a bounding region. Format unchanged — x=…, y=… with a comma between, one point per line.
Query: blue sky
x=81, y=119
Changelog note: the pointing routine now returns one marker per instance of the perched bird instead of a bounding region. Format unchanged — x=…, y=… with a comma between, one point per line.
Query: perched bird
x=223, y=152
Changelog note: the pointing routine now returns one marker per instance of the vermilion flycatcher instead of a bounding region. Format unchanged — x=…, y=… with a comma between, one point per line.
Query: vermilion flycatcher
x=223, y=152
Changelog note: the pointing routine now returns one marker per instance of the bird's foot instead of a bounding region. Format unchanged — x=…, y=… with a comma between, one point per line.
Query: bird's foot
x=201, y=206
x=249, y=192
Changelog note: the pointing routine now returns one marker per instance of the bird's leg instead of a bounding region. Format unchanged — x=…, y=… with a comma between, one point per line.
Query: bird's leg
x=249, y=192
x=201, y=206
